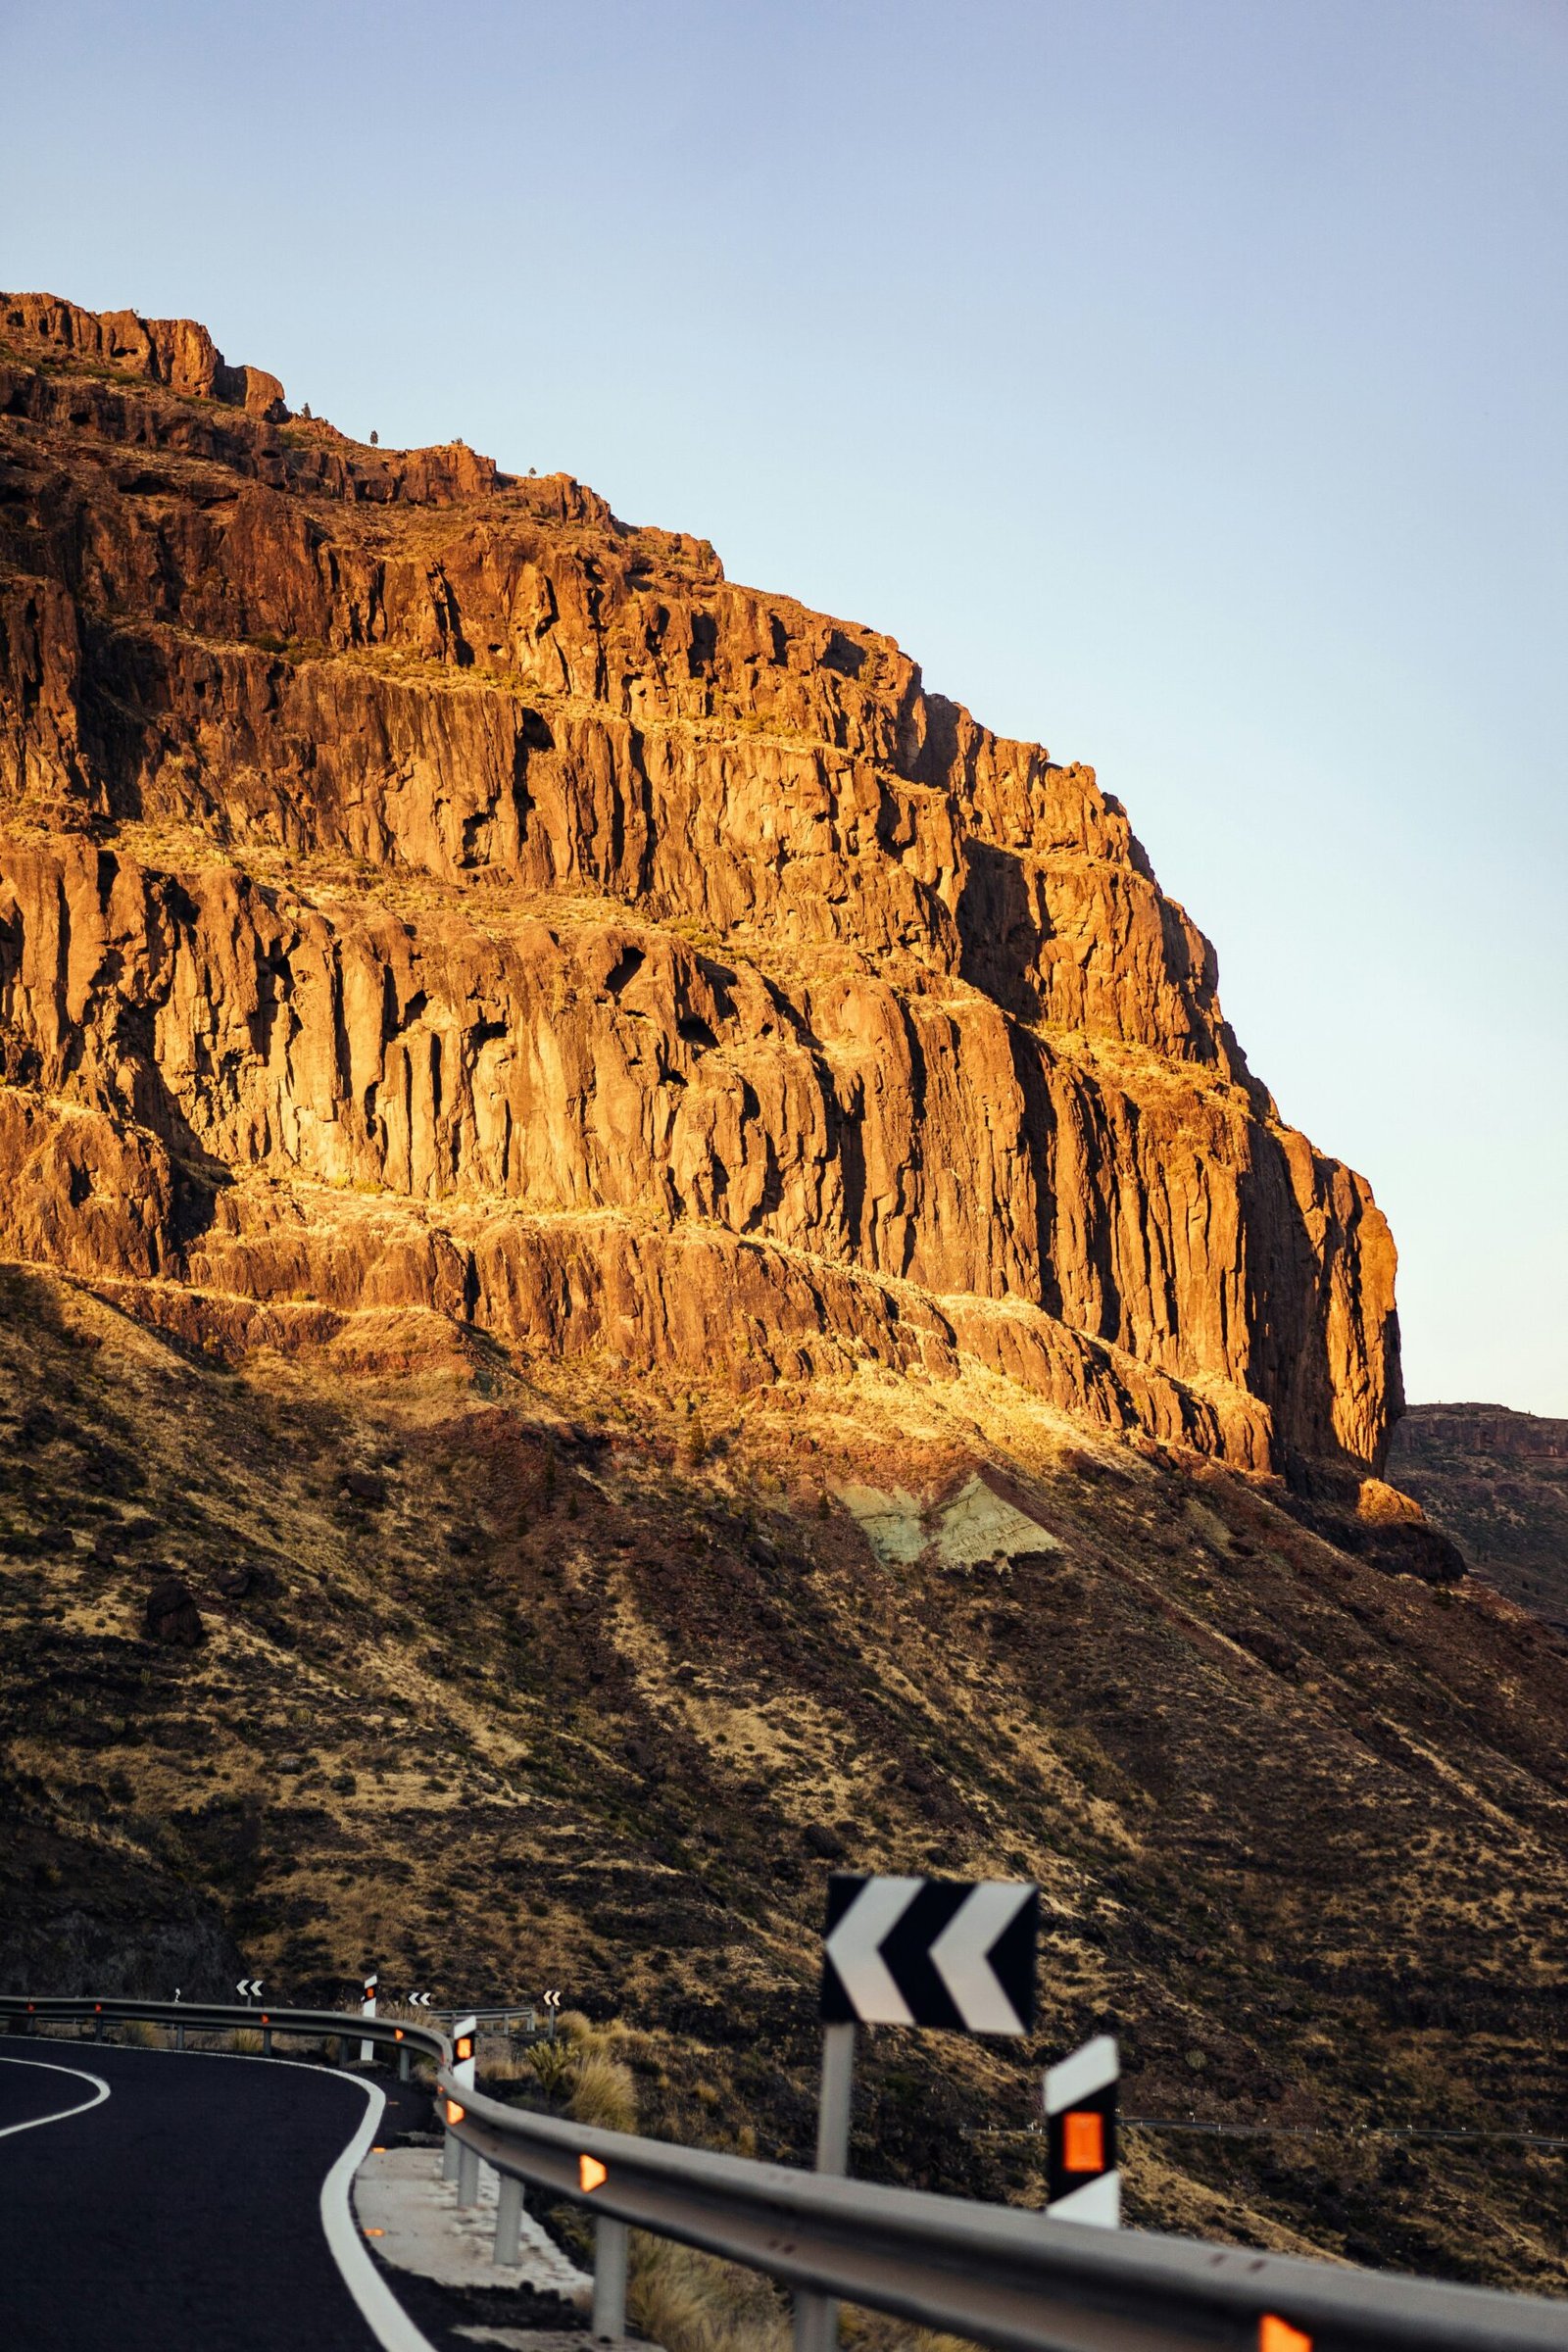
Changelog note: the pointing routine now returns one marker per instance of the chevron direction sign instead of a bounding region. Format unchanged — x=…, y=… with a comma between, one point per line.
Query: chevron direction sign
x=931, y=1952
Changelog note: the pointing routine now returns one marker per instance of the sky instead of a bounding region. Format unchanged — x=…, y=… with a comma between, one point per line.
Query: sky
x=1182, y=382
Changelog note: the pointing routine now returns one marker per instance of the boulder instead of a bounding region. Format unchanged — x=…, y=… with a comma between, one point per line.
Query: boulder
x=172, y=1615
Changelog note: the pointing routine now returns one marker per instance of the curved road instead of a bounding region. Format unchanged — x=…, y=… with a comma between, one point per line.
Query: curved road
x=181, y=2213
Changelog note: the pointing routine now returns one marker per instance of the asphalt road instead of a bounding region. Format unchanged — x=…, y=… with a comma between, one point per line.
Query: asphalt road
x=181, y=2214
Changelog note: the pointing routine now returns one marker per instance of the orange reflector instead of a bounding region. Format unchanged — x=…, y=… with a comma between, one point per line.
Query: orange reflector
x=454, y=2112
x=592, y=2173
x=398, y=2033
x=1278, y=2336
x=376, y=2233
x=266, y=2020
x=97, y=2008
x=1083, y=2141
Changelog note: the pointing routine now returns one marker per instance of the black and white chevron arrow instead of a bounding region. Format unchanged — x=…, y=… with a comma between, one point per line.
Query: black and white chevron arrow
x=1082, y=2181
x=249, y=1987
x=552, y=2000
x=930, y=1952
x=419, y=2000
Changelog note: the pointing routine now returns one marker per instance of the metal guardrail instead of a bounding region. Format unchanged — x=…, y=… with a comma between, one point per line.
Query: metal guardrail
x=995, y=2274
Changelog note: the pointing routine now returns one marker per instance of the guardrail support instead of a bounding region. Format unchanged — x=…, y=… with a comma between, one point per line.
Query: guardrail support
x=449, y=2156
x=610, y=2280
x=467, y=2175
x=179, y=2037
x=816, y=2317
x=508, y=2219
x=403, y=2062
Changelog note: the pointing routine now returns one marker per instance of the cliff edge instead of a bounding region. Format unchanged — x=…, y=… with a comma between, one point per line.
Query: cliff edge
x=418, y=888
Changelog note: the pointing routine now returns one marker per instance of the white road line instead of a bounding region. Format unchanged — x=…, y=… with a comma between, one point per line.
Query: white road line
x=378, y=2307
x=99, y=2094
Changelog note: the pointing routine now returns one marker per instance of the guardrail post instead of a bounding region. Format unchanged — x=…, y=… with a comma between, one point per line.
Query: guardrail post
x=179, y=2037
x=610, y=2280
x=467, y=2175
x=98, y=2027
x=449, y=2156
x=266, y=2041
x=403, y=2062
x=508, y=2219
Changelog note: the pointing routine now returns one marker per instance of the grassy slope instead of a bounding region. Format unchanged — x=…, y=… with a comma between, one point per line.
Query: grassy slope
x=561, y=1697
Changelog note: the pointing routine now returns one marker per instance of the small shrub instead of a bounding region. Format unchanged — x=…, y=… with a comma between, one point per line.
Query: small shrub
x=552, y=2062
x=604, y=2094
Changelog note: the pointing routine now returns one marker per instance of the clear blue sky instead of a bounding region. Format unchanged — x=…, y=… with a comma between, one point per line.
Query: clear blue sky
x=1182, y=383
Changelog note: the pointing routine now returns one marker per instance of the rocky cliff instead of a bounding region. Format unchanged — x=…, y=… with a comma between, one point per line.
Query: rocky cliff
x=1498, y=1482
x=420, y=888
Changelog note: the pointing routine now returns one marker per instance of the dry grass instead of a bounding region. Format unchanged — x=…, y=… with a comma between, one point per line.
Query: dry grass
x=604, y=2094
x=682, y=2299
x=875, y=2332
x=674, y=1669
x=689, y=2302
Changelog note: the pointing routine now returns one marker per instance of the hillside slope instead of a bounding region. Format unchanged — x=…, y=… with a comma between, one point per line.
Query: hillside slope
x=501, y=1683
x=637, y=1261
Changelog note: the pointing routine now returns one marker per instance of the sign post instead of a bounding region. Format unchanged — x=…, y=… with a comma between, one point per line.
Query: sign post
x=911, y=1951
x=464, y=2043
x=457, y=2162
x=368, y=2009
x=1083, y=2180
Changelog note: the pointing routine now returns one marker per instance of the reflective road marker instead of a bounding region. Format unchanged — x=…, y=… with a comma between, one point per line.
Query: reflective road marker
x=1082, y=2183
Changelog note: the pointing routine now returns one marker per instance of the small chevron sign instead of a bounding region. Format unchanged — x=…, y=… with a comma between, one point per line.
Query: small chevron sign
x=248, y=1987
x=419, y=2000
x=931, y=1952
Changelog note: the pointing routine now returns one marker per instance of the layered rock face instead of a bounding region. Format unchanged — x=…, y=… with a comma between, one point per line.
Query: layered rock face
x=419, y=887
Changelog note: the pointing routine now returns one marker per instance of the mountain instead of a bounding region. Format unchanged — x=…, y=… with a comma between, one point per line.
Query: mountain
x=425, y=891
x=639, y=1263
x=1497, y=1483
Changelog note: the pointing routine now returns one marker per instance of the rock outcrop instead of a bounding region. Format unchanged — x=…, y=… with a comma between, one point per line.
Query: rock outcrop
x=419, y=887
x=1498, y=1480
